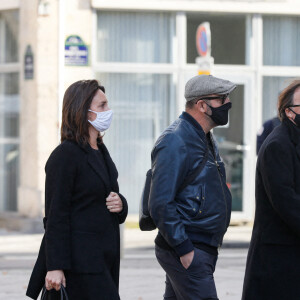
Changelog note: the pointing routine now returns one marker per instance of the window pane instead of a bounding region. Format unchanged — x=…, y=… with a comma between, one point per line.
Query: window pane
x=272, y=86
x=9, y=105
x=9, y=162
x=143, y=105
x=228, y=38
x=281, y=36
x=9, y=34
x=230, y=138
x=135, y=37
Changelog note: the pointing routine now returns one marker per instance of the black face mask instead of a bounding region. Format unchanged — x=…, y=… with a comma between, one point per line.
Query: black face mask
x=220, y=114
x=297, y=118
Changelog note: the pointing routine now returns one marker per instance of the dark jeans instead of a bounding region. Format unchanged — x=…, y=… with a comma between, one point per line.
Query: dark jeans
x=194, y=283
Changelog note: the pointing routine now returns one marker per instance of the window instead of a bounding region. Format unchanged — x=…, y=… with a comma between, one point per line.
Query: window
x=142, y=105
x=9, y=145
x=135, y=37
x=9, y=34
x=272, y=86
x=9, y=111
x=228, y=38
x=281, y=41
x=143, y=101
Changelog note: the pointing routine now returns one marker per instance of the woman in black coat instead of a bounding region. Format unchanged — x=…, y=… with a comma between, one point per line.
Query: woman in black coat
x=83, y=206
x=273, y=264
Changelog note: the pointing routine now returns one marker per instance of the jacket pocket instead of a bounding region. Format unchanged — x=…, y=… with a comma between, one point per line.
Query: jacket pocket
x=200, y=200
x=193, y=207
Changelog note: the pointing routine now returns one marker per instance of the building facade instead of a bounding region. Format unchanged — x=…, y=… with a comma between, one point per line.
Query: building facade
x=143, y=52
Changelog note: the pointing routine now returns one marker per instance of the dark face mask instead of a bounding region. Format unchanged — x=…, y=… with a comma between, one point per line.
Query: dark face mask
x=297, y=118
x=220, y=114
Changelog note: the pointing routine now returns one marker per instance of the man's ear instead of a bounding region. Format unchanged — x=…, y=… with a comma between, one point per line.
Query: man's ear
x=202, y=106
x=289, y=113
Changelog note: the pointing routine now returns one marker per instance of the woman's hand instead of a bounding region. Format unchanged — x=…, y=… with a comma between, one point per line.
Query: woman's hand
x=114, y=203
x=54, y=279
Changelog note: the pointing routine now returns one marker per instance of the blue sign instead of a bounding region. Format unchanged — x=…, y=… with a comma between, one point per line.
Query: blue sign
x=76, y=52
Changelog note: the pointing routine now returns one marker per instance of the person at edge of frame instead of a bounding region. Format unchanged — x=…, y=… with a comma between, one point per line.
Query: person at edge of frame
x=83, y=207
x=265, y=130
x=273, y=262
x=191, y=223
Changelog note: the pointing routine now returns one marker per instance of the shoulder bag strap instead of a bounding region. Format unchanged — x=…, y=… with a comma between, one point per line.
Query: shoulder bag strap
x=196, y=172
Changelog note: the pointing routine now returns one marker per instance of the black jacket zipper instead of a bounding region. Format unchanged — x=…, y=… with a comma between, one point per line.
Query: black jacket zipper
x=220, y=175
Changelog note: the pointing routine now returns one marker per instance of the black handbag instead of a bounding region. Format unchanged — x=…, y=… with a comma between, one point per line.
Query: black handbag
x=46, y=295
x=145, y=221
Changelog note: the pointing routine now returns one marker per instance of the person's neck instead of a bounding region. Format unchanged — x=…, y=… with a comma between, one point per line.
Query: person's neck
x=202, y=120
x=93, y=138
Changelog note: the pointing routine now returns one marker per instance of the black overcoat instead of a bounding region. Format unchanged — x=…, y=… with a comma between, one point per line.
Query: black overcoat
x=273, y=263
x=81, y=235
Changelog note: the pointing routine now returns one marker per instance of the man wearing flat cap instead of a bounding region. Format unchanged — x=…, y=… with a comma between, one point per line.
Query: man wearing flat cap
x=189, y=200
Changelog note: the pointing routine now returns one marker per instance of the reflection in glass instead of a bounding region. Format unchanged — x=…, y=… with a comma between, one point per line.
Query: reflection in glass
x=143, y=106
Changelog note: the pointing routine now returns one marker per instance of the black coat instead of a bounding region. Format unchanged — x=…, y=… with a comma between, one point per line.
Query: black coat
x=273, y=264
x=81, y=235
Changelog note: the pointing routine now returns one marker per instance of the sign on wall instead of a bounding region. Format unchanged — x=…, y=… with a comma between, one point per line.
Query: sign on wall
x=76, y=51
x=28, y=64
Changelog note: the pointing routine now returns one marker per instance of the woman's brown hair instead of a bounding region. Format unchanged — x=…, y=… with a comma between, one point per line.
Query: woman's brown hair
x=286, y=98
x=77, y=101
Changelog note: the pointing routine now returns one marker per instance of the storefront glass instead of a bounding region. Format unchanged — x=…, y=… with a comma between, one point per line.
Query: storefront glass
x=281, y=37
x=228, y=38
x=272, y=86
x=9, y=112
x=230, y=139
x=135, y=37
x=143, y=105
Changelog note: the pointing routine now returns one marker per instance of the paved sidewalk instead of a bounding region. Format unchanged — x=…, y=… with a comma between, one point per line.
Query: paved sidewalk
x=141, y=277
x=235, y=237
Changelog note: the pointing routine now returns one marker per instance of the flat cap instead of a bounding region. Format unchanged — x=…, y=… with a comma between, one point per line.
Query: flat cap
x=203, y=85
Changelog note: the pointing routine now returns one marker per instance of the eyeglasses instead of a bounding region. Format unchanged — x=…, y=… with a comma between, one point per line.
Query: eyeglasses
x=220, y=97
x=294, y=105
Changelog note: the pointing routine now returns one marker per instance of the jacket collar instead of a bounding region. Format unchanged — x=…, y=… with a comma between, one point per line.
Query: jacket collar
x=294, y=131
x=187, y=117
x=99, y=167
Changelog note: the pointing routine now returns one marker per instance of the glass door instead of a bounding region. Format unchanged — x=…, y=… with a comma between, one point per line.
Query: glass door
x=230, y=139
x=237, y=142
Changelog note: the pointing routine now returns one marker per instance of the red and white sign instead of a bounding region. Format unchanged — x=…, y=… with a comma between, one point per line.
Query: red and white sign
x=203, y=39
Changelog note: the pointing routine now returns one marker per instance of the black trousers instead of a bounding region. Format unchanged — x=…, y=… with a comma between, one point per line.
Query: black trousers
x=195, y=282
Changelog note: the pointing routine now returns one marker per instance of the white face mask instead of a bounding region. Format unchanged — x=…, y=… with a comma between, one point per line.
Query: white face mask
x=103, y=120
